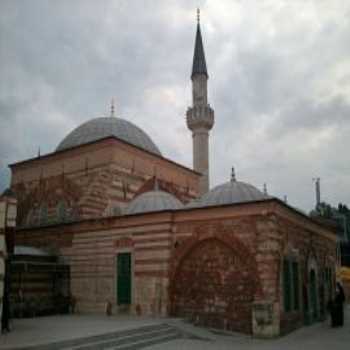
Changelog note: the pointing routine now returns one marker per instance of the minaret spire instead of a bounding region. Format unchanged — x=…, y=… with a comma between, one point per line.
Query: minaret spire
x=199, y=65
x=200, y=117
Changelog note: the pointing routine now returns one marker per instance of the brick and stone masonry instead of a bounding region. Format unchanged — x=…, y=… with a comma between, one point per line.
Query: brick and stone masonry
x=216, y=266
x=94, y=180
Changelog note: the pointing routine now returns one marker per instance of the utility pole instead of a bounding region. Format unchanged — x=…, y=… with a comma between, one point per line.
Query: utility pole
x=318, y=191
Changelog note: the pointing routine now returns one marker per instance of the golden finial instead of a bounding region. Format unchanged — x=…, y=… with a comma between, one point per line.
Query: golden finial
x=198, y=15
x=112, y=107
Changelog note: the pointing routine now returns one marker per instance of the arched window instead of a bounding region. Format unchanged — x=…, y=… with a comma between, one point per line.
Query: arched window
x=43, y=214
x=62, y=211
x=30, y=219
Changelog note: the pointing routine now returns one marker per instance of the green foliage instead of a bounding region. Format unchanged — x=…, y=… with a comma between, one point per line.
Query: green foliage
x=325, y=210
x=343, y=209
x=340, y=215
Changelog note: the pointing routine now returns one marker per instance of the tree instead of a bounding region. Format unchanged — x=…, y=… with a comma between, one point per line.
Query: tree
x=324, y=210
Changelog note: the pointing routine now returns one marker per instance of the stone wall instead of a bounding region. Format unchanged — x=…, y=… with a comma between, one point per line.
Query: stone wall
x=266, y=233
x=2, y=251
x=214, y=276
x=91, y=249
x=220, y=267
x=311, y=249
x=214, y=282
x=8, y=212
x=92, y=181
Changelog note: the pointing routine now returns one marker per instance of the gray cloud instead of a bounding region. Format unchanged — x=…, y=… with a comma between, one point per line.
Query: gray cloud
x=279, y=83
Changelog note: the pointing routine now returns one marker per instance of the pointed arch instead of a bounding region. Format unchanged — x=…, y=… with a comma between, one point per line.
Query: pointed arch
x=214, y=282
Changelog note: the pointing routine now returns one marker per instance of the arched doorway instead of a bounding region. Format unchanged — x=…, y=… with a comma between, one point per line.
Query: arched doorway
x=313, y=296
x=214, y=286
x=313, y=292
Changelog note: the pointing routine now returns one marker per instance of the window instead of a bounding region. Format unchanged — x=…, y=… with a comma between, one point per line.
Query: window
x=295, y=269
x=291, y=285
x=43, y=214
x=30, y=217
x=286, y=286
x=61, y=211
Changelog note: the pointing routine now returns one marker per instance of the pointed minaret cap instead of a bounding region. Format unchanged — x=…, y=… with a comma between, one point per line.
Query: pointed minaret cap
x=233, y=175
x=199, y=65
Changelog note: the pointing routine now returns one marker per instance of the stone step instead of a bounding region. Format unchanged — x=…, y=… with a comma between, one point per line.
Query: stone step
x=121, y=342
x=146, y=342
x=100, y=338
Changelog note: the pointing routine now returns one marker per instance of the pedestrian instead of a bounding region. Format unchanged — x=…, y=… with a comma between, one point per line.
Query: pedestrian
x=337, y=308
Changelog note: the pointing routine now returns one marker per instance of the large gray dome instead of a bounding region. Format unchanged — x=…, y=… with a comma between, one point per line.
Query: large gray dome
x=99, y=128
x=153, y=201
x=229, y=193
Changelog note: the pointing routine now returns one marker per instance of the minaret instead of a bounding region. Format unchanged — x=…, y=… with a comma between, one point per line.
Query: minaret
x=200, y=117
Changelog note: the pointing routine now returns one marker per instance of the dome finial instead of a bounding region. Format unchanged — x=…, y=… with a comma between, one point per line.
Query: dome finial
x=156, y=184
x=198, y=15
x=265, y=189
x=233, y=175
x=112, y=108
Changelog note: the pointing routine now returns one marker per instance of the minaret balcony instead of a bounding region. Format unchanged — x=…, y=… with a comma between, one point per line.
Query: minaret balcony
x=199, y=117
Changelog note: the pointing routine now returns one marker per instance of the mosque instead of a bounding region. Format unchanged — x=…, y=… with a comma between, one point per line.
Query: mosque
x=138, y=233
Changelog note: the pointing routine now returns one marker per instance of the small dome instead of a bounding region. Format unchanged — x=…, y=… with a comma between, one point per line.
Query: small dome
x=229, y=193
x=153, y=201
x=99, y=128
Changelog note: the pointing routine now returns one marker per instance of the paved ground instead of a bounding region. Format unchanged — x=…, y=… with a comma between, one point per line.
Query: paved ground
x=319, y=336
x=43, y=330
x=49, y=329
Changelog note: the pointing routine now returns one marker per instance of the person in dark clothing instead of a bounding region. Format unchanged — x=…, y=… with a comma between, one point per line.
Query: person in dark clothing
x=337, y=308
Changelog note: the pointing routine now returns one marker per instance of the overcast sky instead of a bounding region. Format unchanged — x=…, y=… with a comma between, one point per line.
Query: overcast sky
x=279, y=82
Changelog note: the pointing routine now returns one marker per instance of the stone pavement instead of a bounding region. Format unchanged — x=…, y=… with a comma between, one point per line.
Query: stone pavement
x=43, y=330
x=68, y=328
x=319, y=336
